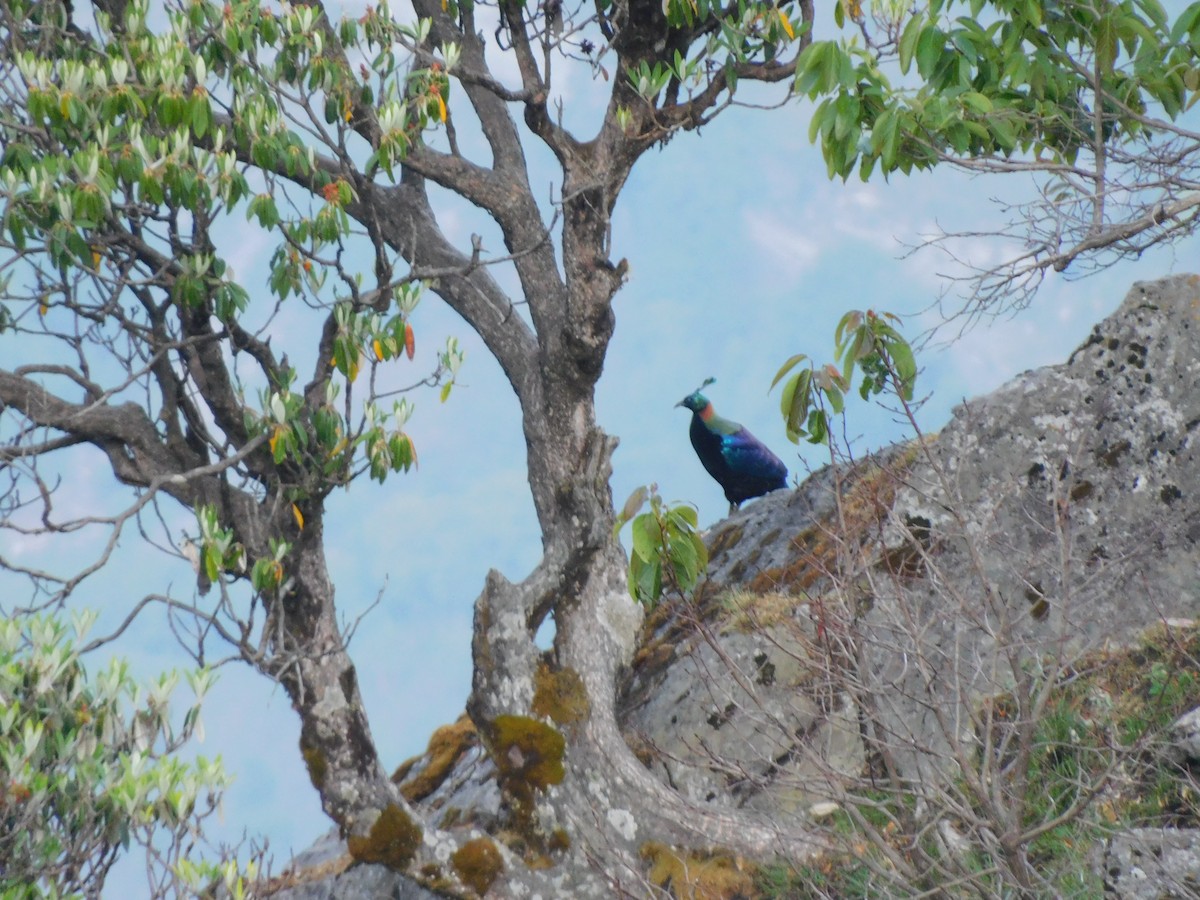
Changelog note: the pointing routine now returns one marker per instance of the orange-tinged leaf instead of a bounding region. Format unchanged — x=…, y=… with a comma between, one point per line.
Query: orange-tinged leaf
x=441, y=107
x=95, y=259
x=275, y=438
x=786, y=23
x=44, y=306
x=298, y=515
x=410, y=344
x=378, y=349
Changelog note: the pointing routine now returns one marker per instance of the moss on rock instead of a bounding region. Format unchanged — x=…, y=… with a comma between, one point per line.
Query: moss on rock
x=724, y=541
x=392, y=841
x=446, y=746
x=477, y=863
x=698, y=876
x=560, y=696
x=529, y=750
x=314, y=761
x=559, y=841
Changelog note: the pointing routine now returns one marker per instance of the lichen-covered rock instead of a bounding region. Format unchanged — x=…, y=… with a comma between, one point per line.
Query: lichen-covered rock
x=365, y=882
x=1184, y=748
x=740, y=710
x=1056, y=514
x=326, y=872
x=1152, y=864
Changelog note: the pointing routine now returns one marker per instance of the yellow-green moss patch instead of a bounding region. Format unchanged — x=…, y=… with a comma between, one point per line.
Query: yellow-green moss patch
x=477, y=863
x=560, y=696
x=559, y=841
x=314, y=761
x=446, y=746
x=749, y=612
x=698, y=876
x=529, y=750
x=724, y=541
x=392, y=841
x=867, y=495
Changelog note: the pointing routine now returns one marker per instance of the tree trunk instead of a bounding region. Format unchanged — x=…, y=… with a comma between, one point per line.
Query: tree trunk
x=549, y=719
x=310, y=660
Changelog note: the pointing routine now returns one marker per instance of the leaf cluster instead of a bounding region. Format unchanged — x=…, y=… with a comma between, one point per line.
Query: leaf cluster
x=863, y=340
x=89, y=762
x=1000, y=78
x=668, y=552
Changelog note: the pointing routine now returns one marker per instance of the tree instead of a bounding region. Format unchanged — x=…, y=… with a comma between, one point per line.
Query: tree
x=1086, y=97
x=91, y=767
x=131, y=141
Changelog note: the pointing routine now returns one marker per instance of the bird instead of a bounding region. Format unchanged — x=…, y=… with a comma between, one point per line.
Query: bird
x=742, y=465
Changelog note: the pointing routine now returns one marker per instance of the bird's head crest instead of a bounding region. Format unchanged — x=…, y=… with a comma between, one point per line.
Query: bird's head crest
x=696, y=401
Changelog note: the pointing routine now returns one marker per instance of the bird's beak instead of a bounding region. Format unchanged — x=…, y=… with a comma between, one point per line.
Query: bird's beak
x=680, y=403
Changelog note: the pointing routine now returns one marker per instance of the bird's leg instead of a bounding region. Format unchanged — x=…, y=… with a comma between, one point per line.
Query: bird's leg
x=733, y=507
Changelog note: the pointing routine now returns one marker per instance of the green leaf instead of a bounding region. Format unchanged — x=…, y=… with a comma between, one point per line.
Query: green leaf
x=976, y=102
x=201, y=115
x=212, y=562
x=855, y=350
x=848, y=323
x=787, y=367
x=908, y=41
x=683, y=517
x=836, y=401
x=1186, y=23
x=905, y=366
x=795, y=402
x=816, y=126
x=929, y=51
x=809, y=69
x=647, y=539
x=1005, y=134
x=818, y=427
x=645, y=581
x=846, y=121
x=685, y=561
x=701, y=550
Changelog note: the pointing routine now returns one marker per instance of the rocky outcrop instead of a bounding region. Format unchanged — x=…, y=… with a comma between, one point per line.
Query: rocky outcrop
x=873, y=611
x=325, y=872
x=1152, y=864
x=1060, y=512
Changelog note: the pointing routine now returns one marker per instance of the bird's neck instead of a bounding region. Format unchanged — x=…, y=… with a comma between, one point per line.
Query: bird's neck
x=715, y=423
